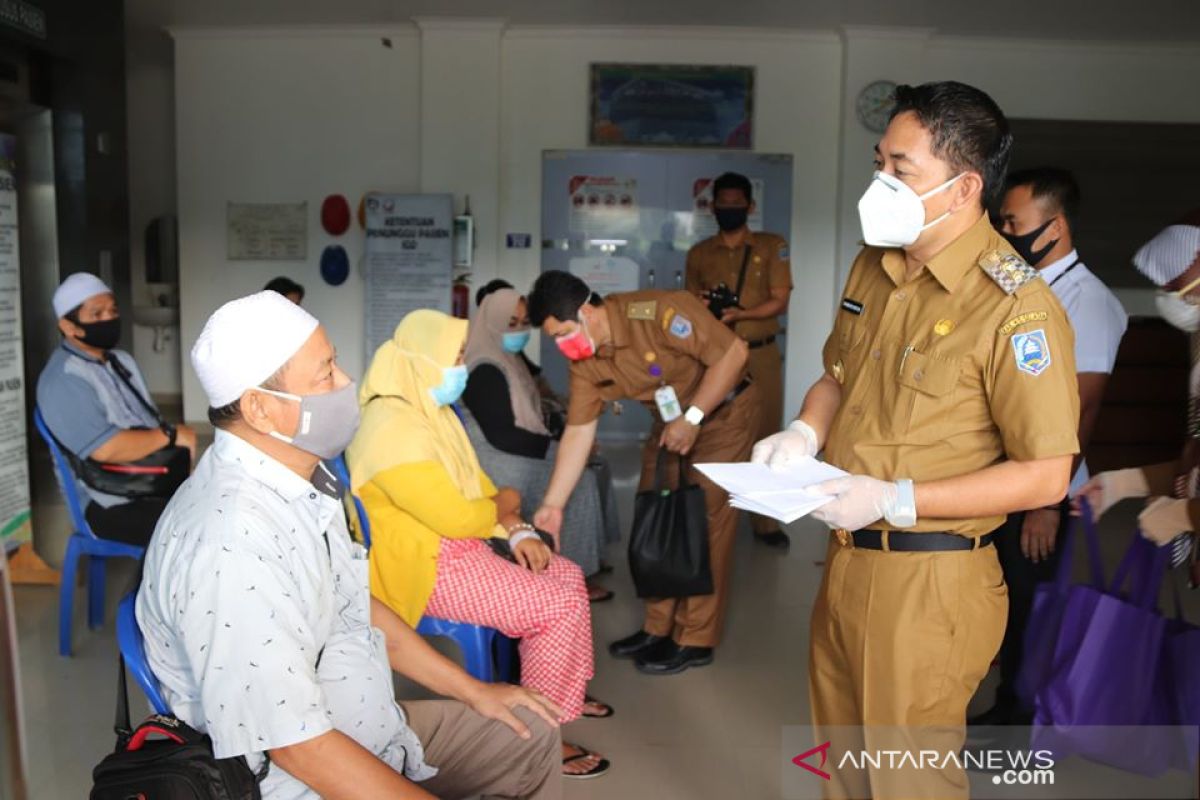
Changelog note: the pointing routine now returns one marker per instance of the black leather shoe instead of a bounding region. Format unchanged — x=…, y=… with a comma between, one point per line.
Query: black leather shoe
x=777, y=539
x=673, y=660
x=631, y=646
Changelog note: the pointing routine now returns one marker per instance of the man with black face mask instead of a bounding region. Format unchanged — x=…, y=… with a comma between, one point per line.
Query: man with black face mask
x=1037, y=213
x=95, y=403
x=754, y=266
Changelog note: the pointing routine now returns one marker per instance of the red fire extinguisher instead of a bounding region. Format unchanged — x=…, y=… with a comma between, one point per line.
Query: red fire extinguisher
x=460, y=297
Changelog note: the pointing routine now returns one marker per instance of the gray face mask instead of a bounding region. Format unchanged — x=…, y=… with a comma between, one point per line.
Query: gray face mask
x=327, y=421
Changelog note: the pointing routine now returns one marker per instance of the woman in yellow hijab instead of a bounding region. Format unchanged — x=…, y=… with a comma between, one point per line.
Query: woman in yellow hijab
x=432, y=510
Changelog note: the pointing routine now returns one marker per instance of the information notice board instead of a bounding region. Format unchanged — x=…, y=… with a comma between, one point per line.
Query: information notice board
x=409, y=257
x=14, y=461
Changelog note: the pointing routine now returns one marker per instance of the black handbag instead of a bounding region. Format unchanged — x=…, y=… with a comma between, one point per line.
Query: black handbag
x=668, y=547
x=156, y=475
x=179, y=766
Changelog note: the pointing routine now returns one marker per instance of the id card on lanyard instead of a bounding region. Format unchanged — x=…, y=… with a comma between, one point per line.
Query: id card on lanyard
x=668, y=403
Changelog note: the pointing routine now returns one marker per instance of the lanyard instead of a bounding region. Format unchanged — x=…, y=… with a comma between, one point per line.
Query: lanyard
x=1060, y=276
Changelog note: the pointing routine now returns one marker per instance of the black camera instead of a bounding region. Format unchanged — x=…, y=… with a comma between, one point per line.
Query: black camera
x=721, y=297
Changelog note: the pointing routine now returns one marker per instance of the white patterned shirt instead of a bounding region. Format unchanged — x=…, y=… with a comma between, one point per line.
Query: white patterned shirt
x=251, y=577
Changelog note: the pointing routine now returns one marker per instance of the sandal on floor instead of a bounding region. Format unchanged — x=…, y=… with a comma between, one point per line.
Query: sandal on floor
x=603, y=596
x=595, y=772
x=608, y=710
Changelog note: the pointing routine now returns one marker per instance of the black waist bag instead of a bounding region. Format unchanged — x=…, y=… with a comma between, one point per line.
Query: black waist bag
x=668, y=547
x=178, y=766
x=157, y=475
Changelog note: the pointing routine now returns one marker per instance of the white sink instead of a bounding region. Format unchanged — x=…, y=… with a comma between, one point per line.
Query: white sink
x=156, y=316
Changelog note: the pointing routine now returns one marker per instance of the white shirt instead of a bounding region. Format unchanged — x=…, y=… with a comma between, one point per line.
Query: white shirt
x=250, y=577
x=1096, y=315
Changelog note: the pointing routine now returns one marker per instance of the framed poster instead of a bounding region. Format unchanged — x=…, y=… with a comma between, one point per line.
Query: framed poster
x=267, y=231
x=671, y=105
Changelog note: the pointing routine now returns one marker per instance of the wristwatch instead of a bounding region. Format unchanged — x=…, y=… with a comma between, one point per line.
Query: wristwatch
x=171, y=431
x=694, y=415
x=904, y=513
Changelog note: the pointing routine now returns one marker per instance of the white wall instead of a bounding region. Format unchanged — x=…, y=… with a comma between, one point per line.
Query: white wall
x=150, y=112
x=468, y=107
x=287, y=116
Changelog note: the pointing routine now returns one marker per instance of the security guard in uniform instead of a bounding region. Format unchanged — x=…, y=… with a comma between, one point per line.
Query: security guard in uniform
x=949, y=394
x=754, y=269
x=665, y=350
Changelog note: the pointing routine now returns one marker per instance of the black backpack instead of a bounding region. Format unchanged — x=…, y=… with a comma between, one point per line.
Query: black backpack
x=178, y=766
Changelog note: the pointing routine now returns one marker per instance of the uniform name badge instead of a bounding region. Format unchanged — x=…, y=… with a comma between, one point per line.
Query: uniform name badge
x=668, y=403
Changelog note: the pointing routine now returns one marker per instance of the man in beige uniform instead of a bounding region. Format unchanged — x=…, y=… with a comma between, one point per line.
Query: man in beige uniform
x=755, y=267
x=632, y=345
x=949, y=394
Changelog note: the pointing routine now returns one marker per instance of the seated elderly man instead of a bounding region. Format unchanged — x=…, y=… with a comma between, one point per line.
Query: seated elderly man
x=256, y=611
x=95, y=403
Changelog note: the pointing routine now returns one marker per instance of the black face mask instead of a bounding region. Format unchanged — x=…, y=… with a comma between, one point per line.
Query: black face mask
x=731, y=218
x=1023, y=244
x=103, y=335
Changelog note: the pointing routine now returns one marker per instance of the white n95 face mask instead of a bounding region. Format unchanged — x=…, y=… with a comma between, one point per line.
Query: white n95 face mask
x=892, y=214
x=1176, y=310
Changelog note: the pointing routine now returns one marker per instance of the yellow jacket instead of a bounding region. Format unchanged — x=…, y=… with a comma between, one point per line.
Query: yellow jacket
x=412, y=465
x=411, y=508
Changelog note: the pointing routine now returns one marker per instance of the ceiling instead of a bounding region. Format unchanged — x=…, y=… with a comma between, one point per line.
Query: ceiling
x=1110, y=20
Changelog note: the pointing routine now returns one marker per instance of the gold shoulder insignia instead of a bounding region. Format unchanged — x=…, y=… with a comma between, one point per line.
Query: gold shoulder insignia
x=1007, y=270
x=642, y=309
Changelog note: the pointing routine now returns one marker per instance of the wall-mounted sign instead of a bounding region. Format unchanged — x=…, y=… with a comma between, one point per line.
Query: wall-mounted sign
x=671, y=105
x=267, y=231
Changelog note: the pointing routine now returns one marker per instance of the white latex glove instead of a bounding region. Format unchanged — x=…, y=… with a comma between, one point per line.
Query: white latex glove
x=791, y=444
x=859, y=501
x=1163, y=519
x=1105, y=490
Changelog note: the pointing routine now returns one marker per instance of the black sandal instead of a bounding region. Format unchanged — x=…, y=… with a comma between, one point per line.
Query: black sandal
x=609, y=710
x=595, y=772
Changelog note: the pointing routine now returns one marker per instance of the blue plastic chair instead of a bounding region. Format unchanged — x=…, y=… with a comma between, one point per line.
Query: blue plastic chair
x=133, y=650
x=477, y=642
x=83, y=542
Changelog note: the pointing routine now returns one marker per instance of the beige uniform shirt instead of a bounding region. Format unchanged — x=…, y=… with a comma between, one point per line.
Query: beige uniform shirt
x=969, y=363
x=711, y=262
x=654, y=331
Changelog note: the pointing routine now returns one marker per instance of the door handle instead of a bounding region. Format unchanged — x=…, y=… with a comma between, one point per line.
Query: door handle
x=650, y=277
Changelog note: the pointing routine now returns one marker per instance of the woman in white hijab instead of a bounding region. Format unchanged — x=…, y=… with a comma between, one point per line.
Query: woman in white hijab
x=1172, y=513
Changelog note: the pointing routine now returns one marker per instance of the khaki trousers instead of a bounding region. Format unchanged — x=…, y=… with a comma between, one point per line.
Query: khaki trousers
x=900, y=642
x=766, y=368
x=478, y=756
x=698, y=621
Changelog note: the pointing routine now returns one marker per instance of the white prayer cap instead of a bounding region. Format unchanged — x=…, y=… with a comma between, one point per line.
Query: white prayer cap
x=76, y=289
x=1168, y=255
x=246, y=341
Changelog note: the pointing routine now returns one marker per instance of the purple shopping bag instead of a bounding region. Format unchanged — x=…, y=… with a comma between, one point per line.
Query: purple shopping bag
x=1049, y=605
x=1181, y=670
x=1107, y=671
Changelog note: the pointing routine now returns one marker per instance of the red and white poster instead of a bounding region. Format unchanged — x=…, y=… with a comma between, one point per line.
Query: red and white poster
x=603, y=205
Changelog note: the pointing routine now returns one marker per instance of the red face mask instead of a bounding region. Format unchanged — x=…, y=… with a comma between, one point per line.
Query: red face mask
x=578, y=345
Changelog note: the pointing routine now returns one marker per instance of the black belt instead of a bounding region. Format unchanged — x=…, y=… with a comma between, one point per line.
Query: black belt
x=760, y=342
x=916, y=541
x=729, y=398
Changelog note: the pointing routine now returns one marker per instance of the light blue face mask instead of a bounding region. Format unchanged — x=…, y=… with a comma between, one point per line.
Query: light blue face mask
x=454, y=382
x=515, y=341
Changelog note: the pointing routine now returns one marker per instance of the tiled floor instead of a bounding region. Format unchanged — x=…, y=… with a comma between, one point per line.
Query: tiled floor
x=711, y=733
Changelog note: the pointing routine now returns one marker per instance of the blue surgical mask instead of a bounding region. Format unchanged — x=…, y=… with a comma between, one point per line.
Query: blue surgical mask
x=454, y=381
x=515, y=341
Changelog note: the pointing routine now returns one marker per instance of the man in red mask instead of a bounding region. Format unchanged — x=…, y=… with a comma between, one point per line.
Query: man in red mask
x=667, y=351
